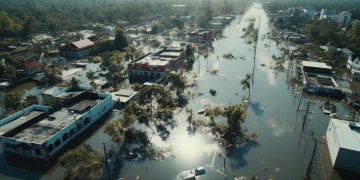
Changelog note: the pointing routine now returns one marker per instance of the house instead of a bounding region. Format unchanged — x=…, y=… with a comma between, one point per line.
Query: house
x=41, y=131
x=30, y=68
x=154, y=64
x=353, y=65
x=343, y=141
x=306, y=11
x=77, y=49
x=344, y=18
x=199, y=35
x=123, y=96
x=317, y=78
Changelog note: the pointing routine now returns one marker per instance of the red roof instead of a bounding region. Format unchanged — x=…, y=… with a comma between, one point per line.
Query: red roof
x=33, y=65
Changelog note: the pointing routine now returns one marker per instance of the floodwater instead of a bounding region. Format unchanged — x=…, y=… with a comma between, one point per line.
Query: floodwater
x=280, y=153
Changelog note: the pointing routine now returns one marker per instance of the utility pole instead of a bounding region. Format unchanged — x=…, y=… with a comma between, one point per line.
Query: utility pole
x=308, y=171
x=300, y=101
x=305, y=116
x=106, y=161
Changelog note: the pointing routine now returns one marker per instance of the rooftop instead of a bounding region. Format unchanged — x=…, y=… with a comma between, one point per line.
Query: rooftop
x=316, y=65
x=43, y=130
x=53, y=90
x=347, y=133
x=123, y=95
x=321, y=80
x=82, y=43
x=33, y=65
x=19, y=121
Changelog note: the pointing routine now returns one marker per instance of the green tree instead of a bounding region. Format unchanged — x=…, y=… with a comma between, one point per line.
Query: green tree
x=177, y=81
x=93, y=85
x=74, y=83
x=121, y=39
x=90, y=75
x=10, y=71
x=53, y=74
x=28, y=28
x=83, y=162
x=30, y=100
x=246, y=82
x=12, y=100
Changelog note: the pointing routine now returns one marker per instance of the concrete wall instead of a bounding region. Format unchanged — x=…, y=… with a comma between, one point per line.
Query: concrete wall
x=142, y=73
x=62, y=137
x=332, y=143
x=348, y=160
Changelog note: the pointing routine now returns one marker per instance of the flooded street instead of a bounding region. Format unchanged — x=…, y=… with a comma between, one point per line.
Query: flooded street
x=280, y=153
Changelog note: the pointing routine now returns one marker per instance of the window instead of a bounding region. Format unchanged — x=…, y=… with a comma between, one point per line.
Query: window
x=38, y=151
x=152, y=73
x=65, y=137
x=145, y=74
x=151, y=68
x=104, y=107
x=158, y=74
x=7, y=145
x=99, y=113
x=87, y=121
x=131, y=72
x=50, y=148
x=57, y=143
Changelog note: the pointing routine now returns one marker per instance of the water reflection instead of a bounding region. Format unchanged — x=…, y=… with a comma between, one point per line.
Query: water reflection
x=278, y=129
x=255, y=106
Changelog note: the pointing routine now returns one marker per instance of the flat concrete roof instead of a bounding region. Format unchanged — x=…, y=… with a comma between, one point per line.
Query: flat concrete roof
x=322, y=80
x=19, y=121
x=43, y=130
x=316, y=65
x=348, y=134
x=123, y=95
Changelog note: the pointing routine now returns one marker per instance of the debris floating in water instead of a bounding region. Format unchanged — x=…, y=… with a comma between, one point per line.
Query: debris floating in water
x=277, y=169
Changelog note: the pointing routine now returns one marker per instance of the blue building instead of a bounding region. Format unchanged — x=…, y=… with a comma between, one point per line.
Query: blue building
x=41, y=131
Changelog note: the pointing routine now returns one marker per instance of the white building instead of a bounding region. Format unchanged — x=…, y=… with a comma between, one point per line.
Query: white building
x=353, y=65
x=326, y=13
x=344, y=18
x=308, y=11
x=124, y=96
x=41, y=131
x=343, y=141
x=317, y=78
x=78, y=49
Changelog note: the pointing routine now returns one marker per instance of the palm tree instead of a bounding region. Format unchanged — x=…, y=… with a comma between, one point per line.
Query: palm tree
x=246, y=82
x=74, y=83
x=90, y=75
x=10, y=71
x=12, y=100
x=93, y=85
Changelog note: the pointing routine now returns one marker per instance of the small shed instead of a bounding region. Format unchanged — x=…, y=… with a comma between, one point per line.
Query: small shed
x=343, y=141
x=123, y=96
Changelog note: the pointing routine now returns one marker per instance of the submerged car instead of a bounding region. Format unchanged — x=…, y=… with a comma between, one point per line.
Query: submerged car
x=198, y=171
x=326, y=110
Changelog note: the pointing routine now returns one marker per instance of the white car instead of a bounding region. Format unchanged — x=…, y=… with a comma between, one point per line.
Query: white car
x=197, y=171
